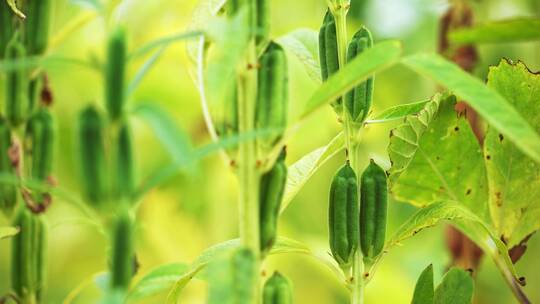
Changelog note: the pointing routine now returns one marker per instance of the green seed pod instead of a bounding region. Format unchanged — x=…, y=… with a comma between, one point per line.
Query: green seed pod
x=115, y=73
x=273, y=94
x=93, y=164
x=328, y=53
x=28, y=256
x=123, y=251
x=373, y=206
x=358, y=101
x=39, y=143
x=124, y=163
x=34, y=87
x=16, y=102
x=262, y=21
x=343, y=216
x=6, y=26
x=272, y=187
x=277, y=290
x=8, y=193
x=226, y=116
x=37, y=24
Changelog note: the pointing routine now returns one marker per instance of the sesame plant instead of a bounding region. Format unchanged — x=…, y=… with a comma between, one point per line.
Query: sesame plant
x=483, y=186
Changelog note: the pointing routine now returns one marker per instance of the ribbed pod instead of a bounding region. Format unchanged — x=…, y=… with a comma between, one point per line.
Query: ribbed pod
x=123, y=251
x=93, y=165
x=8, y=193
x=115, y=73
x=16, y=98
x=358, y=101
x=343, y=216
x=124, y=163
x=37, y=24
x=262, y=21
x=28, y=256
x=373, y=209
x=277, y=290
x=328, y=53
x=272, y=94
x=272, y=187
x=6, y=26
x=226, y=116
x=39, y=144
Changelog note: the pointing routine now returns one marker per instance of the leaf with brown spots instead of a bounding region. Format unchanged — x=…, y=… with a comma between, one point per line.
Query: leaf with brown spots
x=514, y=178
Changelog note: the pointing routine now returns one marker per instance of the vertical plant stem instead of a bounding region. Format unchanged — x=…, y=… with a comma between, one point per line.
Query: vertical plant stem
x=357, y=293
x=248, y=174
x=340, y=15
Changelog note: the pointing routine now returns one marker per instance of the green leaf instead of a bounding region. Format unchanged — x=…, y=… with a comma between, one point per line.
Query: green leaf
x=13, y=5
x=424, y=290
x=493, y=107
x=231, y=277
x=91, y=4
x=471, y=225
x=164, y=43
x=43, y=61
x=175, y=140
x=456, y=287
x=376, y=59
x=282, y=245
x=202, y=261
x=7, y=232
x=304, y=44
x=170, y=171
x=435, y=156
x=514, y=178
x=203, y=12
x=157, y=280
x=504, y=31
x=302, y=170
x=430, y=216
x=145, y=68
x=231, y=37
x=398, y=112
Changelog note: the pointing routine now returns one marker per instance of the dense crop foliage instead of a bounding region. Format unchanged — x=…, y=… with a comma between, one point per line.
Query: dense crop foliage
x=312, y=139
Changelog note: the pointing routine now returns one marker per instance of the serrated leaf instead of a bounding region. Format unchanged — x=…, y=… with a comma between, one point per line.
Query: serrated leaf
x=7, y=232
x=424, y=290
x=514, y=178
x=456, y=287
x=430, y=216
x=468, y=223
x=158, y=279
x=398, y=112
x=376, y=59
x=503, y=31
x=303, y=43
x=435, y=156
x=302, y=170
x=493, y=107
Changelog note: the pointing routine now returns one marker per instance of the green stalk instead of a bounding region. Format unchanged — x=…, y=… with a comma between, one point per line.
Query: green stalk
x=357, y=292
x=340, y=15
x=248, y=174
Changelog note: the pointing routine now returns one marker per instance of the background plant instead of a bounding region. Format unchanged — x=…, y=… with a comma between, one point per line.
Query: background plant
x=297, y=223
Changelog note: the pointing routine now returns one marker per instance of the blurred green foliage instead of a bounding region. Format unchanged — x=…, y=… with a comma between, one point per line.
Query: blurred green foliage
x=178, y=220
